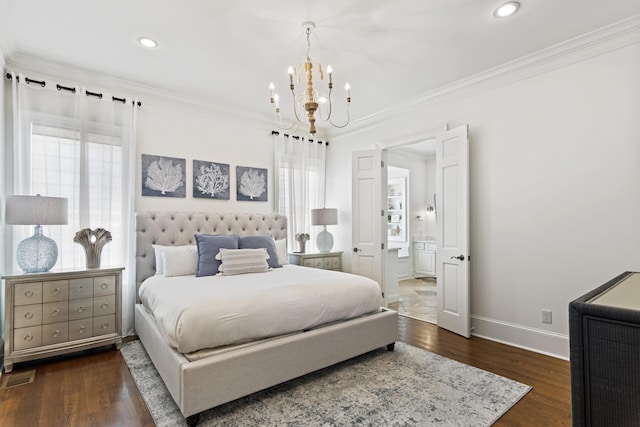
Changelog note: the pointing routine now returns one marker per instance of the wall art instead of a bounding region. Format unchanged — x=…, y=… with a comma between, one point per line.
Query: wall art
x=251, y=184
x=211, y=180
x=163, y=176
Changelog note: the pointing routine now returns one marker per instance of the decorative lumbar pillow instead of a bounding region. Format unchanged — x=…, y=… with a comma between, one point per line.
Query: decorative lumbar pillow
x=180, y=263
x=261, y=241
x=171, y=250
x=208, y=247
x=281, y=250
x=241, y=261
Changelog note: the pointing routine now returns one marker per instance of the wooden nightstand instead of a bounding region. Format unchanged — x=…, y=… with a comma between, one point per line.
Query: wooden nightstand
x=53, y=313
x=324, y=260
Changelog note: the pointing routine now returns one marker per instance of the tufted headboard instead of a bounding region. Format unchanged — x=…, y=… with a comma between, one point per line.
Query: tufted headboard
x=178, y=228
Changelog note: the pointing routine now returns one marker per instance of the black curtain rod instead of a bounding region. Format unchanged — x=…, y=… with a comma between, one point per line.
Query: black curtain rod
x=72, y=89
x=275, y=132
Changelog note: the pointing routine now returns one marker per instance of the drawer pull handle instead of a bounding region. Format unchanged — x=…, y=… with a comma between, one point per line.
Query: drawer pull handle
x=81, y=309
x=80, y=288
x=104, y=286
x=28, y=315
x=56, y=291
x=104, y=306
x=28, y=337
x=81, y=330
x=55, y=333
x=55, y=312
x=105, y=325
x=29, y=293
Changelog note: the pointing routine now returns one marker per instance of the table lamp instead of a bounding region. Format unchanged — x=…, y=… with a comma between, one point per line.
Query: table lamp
x=37, y=253
x=324, y=217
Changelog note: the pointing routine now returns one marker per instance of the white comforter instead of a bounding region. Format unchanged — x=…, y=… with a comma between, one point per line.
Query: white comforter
x=205, y=312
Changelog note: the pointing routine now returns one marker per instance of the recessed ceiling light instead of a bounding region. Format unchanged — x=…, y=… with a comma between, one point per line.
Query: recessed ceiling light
x=506, y=9
x=147, y=42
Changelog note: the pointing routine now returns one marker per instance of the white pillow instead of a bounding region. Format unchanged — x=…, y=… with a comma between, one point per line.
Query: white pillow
x=180, y=263
x=281, y=251
x=241, y=261
x=160, y=249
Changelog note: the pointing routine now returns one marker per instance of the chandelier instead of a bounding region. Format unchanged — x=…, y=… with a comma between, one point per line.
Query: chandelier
x=310, y=100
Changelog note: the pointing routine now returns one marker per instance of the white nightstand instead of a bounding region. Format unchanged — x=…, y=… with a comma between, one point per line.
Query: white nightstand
x=53, y=313
x=324, y=260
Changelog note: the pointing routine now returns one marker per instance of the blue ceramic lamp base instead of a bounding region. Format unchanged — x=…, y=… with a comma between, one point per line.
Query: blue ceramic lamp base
x=38, y=253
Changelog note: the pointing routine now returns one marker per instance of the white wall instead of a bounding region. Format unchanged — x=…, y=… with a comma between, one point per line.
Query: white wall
x=166, y=129
x=555, y=189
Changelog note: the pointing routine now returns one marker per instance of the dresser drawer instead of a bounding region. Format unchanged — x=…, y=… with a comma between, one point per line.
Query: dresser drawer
x=308, y=262
x=27, y=315
x=24, y=338
x=79, y=329
x=104, y=286
x=80, y=308
x=104, y=305
x=104, y=325
x=54, y=312
x=55, y=333
x=335, y=263
x=27, y=293
x=81, y=288
x=57, y=290
x=326, y=263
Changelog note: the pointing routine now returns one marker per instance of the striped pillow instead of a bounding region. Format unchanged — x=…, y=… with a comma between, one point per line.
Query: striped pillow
x=241, y=261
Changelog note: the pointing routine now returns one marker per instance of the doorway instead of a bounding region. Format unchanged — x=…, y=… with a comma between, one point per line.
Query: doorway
x=417, y=286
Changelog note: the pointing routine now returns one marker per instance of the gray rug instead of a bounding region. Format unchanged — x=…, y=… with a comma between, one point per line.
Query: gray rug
x=406, y=387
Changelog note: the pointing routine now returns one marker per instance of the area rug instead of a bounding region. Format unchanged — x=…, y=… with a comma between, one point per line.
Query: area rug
x=406, y=387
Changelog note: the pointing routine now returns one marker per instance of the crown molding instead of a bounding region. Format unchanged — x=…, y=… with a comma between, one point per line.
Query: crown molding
x=606, y=39
x=597, y=42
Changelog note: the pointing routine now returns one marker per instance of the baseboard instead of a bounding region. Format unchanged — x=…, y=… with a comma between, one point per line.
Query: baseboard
x=536, y=340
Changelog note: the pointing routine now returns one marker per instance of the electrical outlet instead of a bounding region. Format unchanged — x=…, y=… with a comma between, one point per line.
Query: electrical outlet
x=546, y=316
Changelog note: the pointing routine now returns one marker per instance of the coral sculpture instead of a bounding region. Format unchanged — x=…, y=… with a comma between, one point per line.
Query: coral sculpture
x=92, y=241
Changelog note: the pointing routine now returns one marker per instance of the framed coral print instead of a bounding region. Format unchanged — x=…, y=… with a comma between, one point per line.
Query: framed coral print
x=163, y=176
x=251, y=184
x=211, y=180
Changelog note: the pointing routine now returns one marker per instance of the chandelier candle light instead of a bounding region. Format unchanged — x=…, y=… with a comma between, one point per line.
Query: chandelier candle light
x=37, y=253
x=310, y=100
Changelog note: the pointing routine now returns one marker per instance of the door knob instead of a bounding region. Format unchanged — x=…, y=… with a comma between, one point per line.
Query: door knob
x=460, y=257
x=355, y=249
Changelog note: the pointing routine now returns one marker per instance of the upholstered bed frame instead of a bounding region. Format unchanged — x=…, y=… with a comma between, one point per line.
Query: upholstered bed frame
x=203, y=384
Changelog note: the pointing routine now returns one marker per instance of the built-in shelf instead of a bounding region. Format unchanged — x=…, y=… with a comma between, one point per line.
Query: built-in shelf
x=396, y=209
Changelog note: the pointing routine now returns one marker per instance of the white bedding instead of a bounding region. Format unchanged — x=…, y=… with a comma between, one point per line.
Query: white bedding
x=204, y=312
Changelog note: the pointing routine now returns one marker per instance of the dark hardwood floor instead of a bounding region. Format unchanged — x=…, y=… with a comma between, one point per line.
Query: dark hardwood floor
x=95, y=388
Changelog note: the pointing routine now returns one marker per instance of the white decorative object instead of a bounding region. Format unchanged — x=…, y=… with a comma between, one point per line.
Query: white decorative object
x=302, y=238
x=324, y=217
x=37, y=253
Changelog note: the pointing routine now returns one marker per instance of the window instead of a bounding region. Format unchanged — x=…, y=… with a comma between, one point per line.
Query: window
x=86, y=170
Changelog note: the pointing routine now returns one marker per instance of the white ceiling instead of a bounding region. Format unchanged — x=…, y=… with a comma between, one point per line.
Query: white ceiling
x=225, y=53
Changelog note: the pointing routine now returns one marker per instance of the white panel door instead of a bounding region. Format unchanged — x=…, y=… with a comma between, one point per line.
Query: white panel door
x=367, y=223
x=452, y=187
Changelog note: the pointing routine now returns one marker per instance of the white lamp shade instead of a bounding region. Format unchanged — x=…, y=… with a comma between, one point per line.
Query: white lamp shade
x=324, y=216
x=37, y=210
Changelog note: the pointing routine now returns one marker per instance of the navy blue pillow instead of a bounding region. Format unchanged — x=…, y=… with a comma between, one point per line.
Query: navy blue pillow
x=208, y=247
x=261, y=241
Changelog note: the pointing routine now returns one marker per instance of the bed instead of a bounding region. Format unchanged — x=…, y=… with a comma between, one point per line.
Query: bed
x=205, y=378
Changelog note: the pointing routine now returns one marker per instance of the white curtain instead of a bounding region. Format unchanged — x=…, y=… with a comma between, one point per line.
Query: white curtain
x=82, y=147
x=300, y=182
